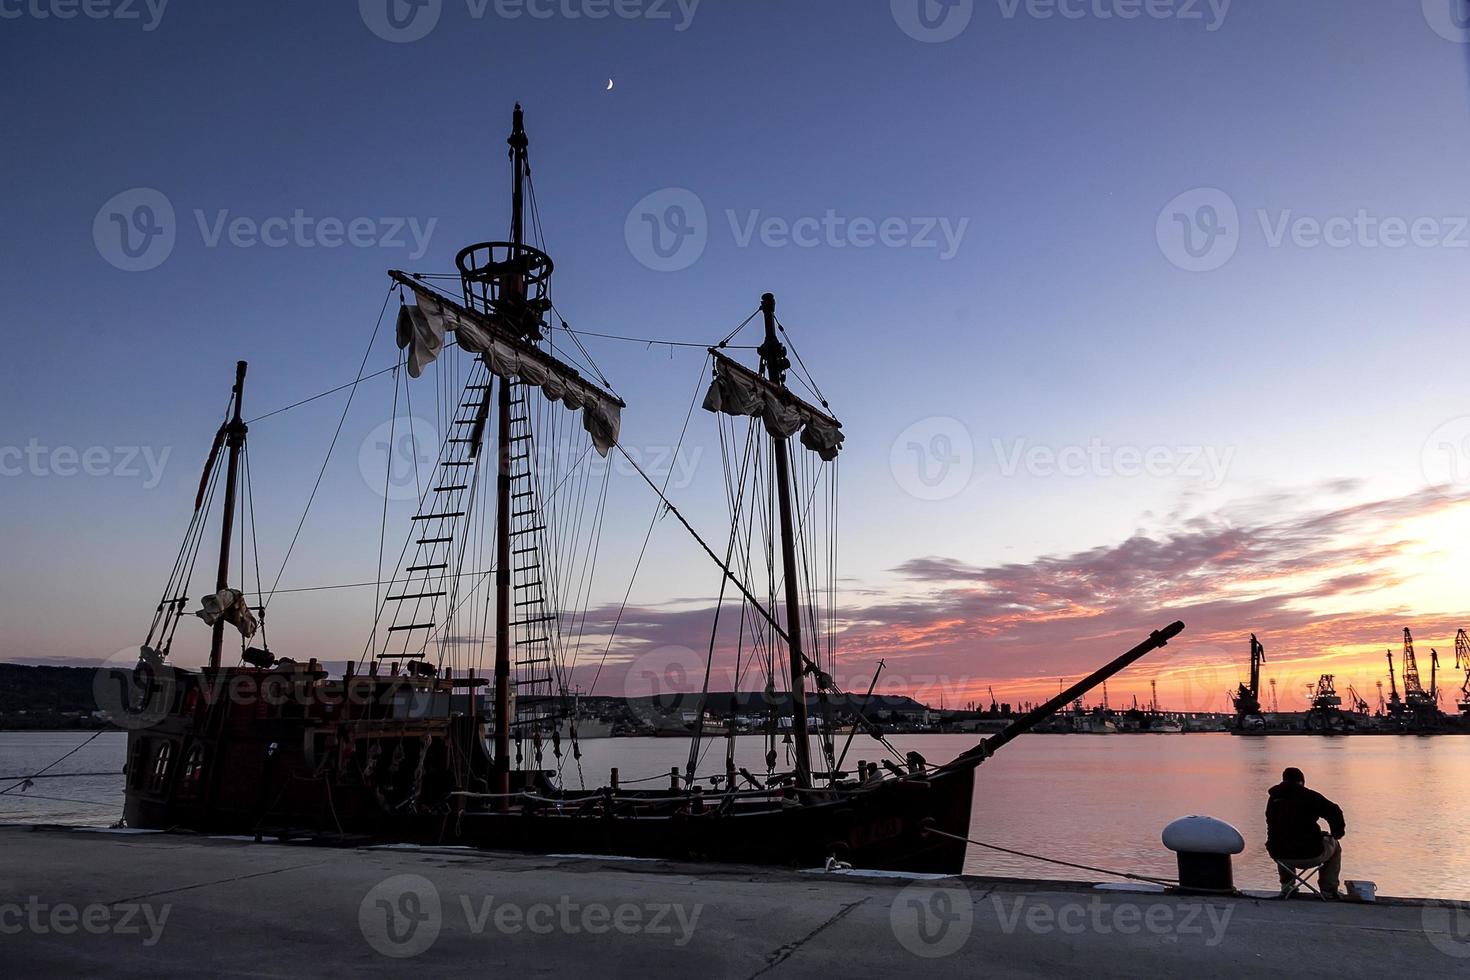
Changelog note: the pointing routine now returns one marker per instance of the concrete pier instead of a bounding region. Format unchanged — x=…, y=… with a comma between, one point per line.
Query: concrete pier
x=155, y=905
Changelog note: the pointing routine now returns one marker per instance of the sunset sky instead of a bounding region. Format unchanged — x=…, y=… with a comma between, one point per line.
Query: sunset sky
x=1127, y=320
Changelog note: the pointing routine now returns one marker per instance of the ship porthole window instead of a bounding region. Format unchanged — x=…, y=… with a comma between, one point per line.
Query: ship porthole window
x=160, y=766
x=193, y=770
x=138, y=764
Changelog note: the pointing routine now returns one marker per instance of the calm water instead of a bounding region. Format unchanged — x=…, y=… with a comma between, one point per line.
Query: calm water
x=1098, y=800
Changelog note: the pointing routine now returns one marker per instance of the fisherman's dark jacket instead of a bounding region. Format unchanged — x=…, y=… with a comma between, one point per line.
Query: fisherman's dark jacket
x=1292, y=812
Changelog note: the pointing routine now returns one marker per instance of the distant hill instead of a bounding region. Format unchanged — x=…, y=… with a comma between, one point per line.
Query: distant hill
x=47, y=697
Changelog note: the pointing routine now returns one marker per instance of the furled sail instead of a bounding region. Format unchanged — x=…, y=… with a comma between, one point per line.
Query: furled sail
x=228, y=605
x=737, y=390
x=421, y=329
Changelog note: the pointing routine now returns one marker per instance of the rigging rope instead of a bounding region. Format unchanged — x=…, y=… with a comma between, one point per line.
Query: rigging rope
x=653, y=521
x=335, y=435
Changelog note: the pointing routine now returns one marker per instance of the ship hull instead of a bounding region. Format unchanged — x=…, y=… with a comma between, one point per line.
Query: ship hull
x=887, y=827
x=238, y=766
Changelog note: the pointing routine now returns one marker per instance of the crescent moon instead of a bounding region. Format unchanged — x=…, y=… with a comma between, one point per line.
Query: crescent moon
x=609, y=84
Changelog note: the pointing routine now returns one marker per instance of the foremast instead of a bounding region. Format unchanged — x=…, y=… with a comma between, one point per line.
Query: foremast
x=235, y=442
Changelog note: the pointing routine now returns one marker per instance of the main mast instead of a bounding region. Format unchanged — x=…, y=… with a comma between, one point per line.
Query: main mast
x=235, y=439
x=518, y=145
x=774, y=362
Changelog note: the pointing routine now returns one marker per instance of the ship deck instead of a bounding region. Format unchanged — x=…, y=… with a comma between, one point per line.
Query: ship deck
x=76, y=902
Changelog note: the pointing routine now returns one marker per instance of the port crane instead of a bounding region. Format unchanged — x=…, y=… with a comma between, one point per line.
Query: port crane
x=1462, y=662
x=1359, y=705
x=1326, y=703
x=1248, y=698
x=1275, y=704
x=1418, y=700
x=1395, y=705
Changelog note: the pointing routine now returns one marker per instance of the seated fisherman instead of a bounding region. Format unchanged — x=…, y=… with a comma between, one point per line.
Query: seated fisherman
x=1295, y=838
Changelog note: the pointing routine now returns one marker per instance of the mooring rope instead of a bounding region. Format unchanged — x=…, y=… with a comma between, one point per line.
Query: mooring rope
x=1047, y=860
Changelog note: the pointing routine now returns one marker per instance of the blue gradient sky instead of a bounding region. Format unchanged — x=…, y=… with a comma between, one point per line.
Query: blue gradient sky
x=1060, y=319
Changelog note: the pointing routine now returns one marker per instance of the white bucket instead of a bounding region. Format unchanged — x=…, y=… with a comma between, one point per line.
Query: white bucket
x=1362, y=891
